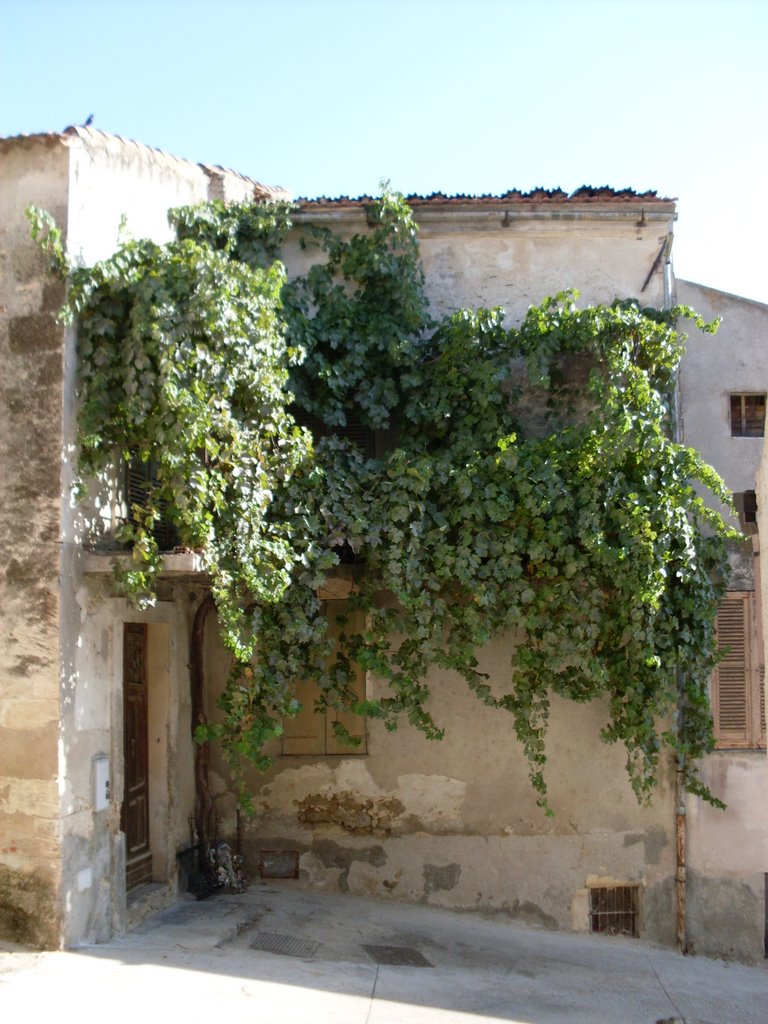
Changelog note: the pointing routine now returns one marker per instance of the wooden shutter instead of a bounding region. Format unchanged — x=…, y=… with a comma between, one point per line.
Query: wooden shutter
x=310, y=733
x=305, y=734
x=354, y=724
x=738, y=680
x=139, y=478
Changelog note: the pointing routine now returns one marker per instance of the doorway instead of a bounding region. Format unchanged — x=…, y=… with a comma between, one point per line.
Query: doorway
x=135, y=808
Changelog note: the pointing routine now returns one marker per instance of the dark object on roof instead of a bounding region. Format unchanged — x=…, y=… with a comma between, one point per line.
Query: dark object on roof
x=553, y=196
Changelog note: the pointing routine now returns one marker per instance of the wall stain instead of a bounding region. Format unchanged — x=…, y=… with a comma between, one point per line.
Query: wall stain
x=633, y=838
x=356, y=815
x=655, y=840
x=437, y=878
x=28, y=912
x=531, y=913
x=23, y=664
x=332, y=855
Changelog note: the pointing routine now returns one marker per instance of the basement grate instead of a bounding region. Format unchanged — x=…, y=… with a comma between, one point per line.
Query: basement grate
x=613, y=910
x=284, y=945
x=397, y=956
x=279, y=863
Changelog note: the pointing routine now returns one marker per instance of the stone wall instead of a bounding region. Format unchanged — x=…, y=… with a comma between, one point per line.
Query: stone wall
x=32, y=346
x=61, y=859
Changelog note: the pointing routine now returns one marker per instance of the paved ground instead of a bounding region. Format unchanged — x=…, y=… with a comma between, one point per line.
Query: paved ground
x=280, y=955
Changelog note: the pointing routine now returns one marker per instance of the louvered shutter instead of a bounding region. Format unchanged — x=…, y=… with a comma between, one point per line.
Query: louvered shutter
x=738, y=689
x=310, y=733
x=139, y=478
x=354, y=724
x=305, y=734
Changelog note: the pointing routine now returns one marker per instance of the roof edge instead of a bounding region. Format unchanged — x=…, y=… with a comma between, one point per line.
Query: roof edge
x=95, y=137
x=536, y=196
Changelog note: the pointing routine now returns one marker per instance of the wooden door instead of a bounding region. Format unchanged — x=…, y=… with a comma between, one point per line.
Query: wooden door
x=135, y=809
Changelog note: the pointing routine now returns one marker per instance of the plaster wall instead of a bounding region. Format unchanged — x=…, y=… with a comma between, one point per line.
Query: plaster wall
x=728, y=857
x=474, y=259
x=455, y=823
x=519, y=265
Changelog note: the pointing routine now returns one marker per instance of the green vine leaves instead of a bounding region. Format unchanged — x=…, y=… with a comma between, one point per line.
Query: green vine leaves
x=519, y=480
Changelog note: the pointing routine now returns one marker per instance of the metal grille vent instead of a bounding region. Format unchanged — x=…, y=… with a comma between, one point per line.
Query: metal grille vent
x=397, y=956
x=279, y=863
x=285, y=945
x=613, y=910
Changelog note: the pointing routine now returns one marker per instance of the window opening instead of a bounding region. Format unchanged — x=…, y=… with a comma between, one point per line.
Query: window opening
x=311, y=732
x=747, y=415
x=746, y=507
x=139, y=478
x=613, y=910
x=354, y=431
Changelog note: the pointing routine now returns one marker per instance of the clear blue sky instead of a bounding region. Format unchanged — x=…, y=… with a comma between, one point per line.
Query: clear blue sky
x=326, y=97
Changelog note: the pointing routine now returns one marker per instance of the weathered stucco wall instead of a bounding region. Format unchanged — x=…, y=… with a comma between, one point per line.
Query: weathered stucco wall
x=727, y=850
x=481, y=256
x=728, y=856
x=31, y=408
x=455, y=823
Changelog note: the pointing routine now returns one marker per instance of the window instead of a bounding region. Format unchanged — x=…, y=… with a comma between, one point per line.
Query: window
x=738, y=681
x=370, y=443
x=312, y=733
x=746, y=507
x=139, y=479
x=613, y=910
x=747, y=415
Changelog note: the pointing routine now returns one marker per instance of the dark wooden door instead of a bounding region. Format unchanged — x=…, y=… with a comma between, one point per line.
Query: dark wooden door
x=135, y=810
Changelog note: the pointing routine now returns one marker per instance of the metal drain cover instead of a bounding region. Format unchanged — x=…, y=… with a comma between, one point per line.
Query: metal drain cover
x=284, y=945
x=397, y=956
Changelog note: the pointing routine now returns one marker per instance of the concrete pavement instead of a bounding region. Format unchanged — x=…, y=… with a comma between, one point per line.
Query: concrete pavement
x=292, y=956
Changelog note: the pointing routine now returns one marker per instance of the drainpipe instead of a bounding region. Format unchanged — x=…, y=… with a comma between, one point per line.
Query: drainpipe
x=680, y=876
x=667, y=274
x=681, y=819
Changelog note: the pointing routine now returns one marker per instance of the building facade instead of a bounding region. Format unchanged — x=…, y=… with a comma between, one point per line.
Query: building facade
x=97, y=763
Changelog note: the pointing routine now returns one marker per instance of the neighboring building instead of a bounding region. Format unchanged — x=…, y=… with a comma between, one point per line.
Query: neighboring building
x=723, y=386
x=92, y=690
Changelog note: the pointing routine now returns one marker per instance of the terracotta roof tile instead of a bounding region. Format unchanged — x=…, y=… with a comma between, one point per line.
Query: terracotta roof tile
x=585, y=194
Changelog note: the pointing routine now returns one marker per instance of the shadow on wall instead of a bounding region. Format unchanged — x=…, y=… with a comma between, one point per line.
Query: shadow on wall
x=28, y=909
